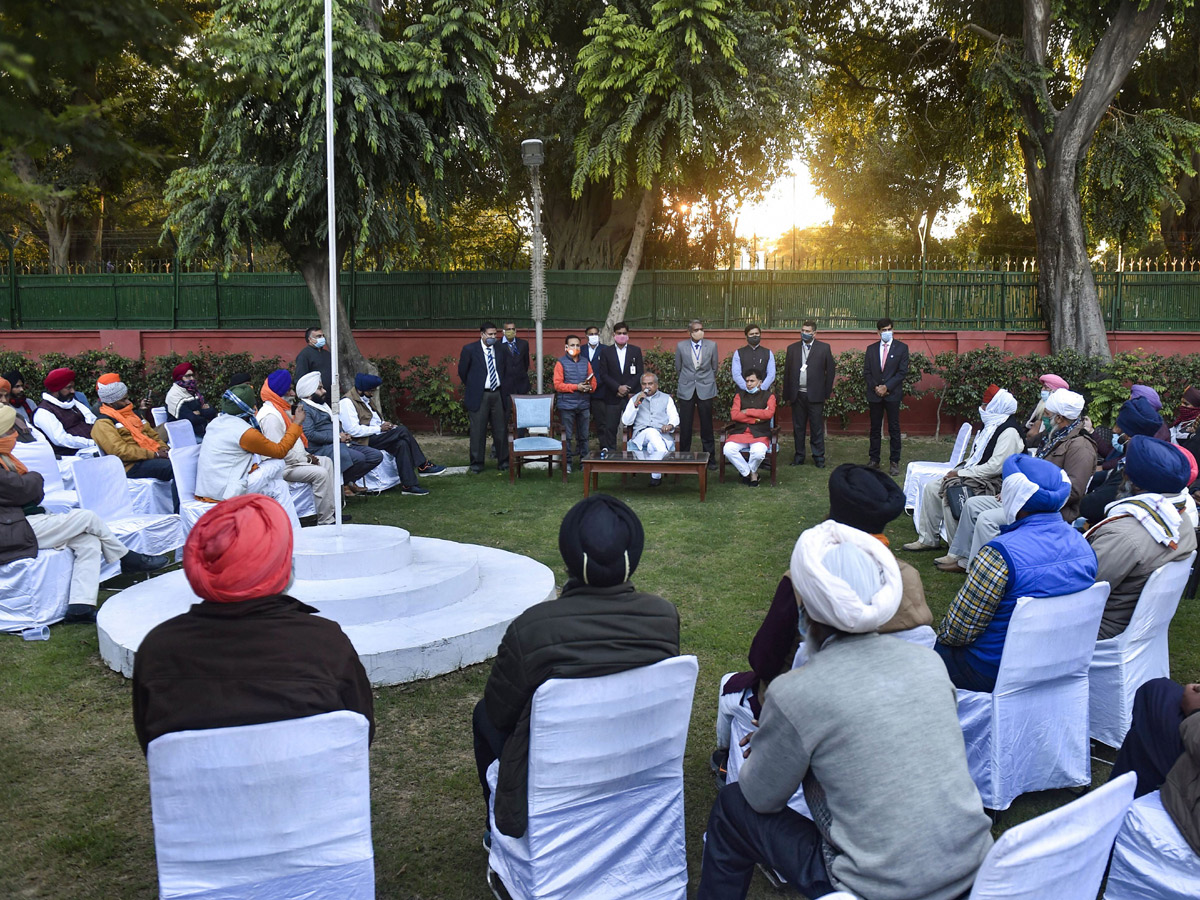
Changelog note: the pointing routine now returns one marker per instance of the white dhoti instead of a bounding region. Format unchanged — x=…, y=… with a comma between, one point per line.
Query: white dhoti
x=83, y=533
x=727, y=705
x=320, y=479
x=733, y=453
x=650, y=443
x=267, y=479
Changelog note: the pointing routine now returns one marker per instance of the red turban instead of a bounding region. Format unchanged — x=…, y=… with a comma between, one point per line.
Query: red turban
x=241, y=549
x=992, y=391
x=57, y=380
x=180, y=370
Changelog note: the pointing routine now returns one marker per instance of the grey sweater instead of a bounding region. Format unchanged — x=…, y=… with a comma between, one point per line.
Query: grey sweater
x=870, y=726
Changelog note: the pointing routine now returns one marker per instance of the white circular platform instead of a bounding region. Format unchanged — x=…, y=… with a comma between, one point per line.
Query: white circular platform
x=413, y=607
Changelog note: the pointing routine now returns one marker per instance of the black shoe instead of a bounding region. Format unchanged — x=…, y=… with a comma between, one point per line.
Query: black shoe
x=308, y=521
x=80, y=614
x=655, y=482
x=820, y=463
x=873, y=464
x=797, y=461
x=413, y=490
x=712, y=465
x=745, y=479
x=894, y=469
x=754, y=482
x=719, y=763
x=476, y=470
x=133, y=562
x=503, y=467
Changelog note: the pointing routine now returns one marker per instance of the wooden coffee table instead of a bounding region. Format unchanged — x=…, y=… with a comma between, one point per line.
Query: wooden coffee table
x=624, y=462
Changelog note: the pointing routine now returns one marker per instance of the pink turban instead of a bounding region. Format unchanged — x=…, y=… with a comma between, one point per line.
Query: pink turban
x=1053, y=382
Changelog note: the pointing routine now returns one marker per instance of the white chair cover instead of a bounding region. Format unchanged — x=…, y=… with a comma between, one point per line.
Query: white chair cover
x=742, y=725
x=1059, y=855
x=1122, y=664
x=1031, y=732
x=39, y=457
x=303, y=499
x=280, y=811
x=150, y=496
x=184, y=460
x=917, y=473
x=35, y=591
x=179, y=433
x=605, y=789
x=101, y=486
x=159, y=413
x=1152, y=860
x=383, y=477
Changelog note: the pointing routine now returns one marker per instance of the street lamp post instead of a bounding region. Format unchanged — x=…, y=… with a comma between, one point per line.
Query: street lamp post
x=533, y=157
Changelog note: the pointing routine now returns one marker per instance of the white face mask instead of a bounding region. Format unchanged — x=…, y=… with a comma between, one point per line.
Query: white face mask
x=593, y=340
x=885, y=336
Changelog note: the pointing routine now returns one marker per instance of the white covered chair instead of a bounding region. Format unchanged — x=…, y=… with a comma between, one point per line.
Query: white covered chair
x=917, y=473
x=383, y=477
x=35, y=591
x=279, y=811
x=183, y=463
x=605, y=789
x=39, y=457
x=159, y=414
x=179, y=433
x=1060, y=854
x=1122, y=664
x=1152, y=860
x=1031, y=732
x=150, y=496
x=303, y=499
x=101, y=486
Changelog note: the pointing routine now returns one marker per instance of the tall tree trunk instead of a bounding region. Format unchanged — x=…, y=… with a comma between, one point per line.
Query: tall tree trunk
x=633, y=261
x=314, y=266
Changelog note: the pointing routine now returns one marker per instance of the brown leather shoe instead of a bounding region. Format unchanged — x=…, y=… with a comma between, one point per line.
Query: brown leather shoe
x=894, y=469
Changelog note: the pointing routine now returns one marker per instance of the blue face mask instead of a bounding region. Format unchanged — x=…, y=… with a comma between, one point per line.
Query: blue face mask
x=489, y=341
x=885, y=336
x=751, y=390
x=320, y=343
x=1119, y=447
x=802, y=624
x=1045, y=395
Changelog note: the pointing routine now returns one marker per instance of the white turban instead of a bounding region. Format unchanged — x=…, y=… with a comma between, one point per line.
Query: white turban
x=846, y=578
x=308, y=384
x=1067, y=404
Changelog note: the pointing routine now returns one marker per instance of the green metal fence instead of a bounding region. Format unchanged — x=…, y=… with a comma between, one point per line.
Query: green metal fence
x=915, y=299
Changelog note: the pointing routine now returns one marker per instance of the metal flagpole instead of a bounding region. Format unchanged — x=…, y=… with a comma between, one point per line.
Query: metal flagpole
x=335, y=393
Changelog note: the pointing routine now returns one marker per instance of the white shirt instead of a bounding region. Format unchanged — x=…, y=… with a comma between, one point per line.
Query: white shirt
x=53, y=429
x=489, y=353
x=350, y=424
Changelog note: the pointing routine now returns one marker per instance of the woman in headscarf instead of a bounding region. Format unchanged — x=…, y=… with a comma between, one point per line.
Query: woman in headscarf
x=357, y=460
x=1184, y=426
x=184, y=400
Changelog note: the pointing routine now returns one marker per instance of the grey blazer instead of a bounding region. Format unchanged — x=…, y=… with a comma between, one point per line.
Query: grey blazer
x=699, y=383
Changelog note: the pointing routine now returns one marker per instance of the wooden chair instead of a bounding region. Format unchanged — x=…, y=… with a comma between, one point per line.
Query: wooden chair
x=772, y=453
x=534, y=411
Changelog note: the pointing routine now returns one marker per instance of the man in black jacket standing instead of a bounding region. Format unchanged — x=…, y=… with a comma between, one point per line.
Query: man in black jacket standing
x=885, y=367
x=620, y=372
x=315, y=357
x=600, y=624
x=808, y=375
x=518, y=362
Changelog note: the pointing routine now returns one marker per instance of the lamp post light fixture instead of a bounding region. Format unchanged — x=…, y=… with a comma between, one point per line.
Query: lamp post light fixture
x=533, y=157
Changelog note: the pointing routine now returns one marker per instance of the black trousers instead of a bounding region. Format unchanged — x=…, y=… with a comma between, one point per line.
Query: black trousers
x=1091, y=507
x=612, y=422
x=1153, y=744
x=156, y=468
x=805, y=412
x=687, y=408
x=738, y=838
x=598, y=418
x=892, y=408
x=401, y=444
x=490, y=412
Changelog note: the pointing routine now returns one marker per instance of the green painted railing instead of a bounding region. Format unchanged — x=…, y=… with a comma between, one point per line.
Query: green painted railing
x=915, y=299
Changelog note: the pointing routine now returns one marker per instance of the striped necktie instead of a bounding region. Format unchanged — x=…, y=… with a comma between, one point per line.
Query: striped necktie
x=492, y=381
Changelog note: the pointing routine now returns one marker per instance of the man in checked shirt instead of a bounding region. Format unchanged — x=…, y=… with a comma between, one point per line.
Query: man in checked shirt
x=1037, y=554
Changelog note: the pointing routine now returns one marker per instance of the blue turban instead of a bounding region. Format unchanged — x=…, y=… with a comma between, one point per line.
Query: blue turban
x=364, y=382
x=280, y=381
x=1156, y=466
x=1033, y=485
x=1144, y=390
x=1137, y=416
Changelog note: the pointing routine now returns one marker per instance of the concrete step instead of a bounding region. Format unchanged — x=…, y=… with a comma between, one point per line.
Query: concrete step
x=364, y=550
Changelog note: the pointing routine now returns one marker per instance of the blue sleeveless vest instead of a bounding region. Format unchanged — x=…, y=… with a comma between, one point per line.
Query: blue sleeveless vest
x=1046, y=557
x=574, y=372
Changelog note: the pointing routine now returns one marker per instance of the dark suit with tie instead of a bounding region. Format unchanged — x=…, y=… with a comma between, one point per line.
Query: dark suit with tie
x=612, y=375
x=600, y=396
x=808, y=399
x=485, y=404
x=891, y=374
x=517, y=365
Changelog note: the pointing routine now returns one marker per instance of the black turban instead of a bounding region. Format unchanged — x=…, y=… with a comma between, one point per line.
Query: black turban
x=13, y=377
x=239, y=378
x=863, y=498
x=601, y=541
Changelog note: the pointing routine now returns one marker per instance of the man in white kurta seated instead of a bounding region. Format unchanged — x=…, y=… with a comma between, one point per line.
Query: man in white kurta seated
x=227, y=466
x=654, y=419
x=62, y=418
x=300, y=466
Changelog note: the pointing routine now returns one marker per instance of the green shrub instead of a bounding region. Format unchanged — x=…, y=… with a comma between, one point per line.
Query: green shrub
x=850, y=387
x=430, y=389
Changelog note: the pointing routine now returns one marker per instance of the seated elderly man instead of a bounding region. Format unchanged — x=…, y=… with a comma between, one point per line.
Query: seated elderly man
x=891, y=835
x=356, y=460
x=367, y=427
x=25, y=528
x=227, y=467
x=862, y=498
x=185, y=403
x=61, y=417
x=1036, y=554
x=654, y=419
x=247, y=653
x=599, y=625
x=753, y=407
x=1137, y=416
x=300, y=466
x=1143, y=529
x=121, y=431
x=1068, y=445
x=978, y=474
x=1040, y=421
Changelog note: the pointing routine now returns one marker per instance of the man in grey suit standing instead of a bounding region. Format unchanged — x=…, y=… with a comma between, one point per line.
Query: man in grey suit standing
x=696, y=365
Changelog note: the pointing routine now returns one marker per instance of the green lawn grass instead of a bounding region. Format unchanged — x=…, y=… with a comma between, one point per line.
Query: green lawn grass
x=74, y=791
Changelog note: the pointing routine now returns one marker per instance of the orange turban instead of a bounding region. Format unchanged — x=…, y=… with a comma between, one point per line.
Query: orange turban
x=108, y=378
x=241, y=549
